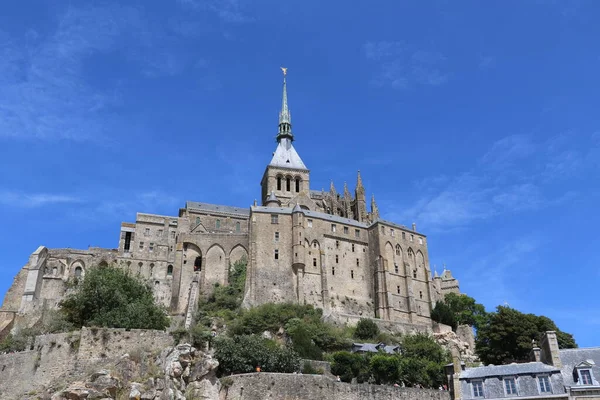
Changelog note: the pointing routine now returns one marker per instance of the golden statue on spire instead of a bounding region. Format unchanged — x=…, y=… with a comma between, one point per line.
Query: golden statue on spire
x=284, y=70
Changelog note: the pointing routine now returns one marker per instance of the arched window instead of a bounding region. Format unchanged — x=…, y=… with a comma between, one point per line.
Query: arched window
x=170, y=270
x=218, y=224
x=78, y=272
x=278, y=183
x=398, y=251
x=288, y=183
x=197, y=220
x=297, y=185
x=54, y=271
x=151, y=270
x=237, y=227
x=198, y=264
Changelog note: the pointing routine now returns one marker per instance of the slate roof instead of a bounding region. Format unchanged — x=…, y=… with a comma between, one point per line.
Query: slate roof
x=285, y=156
x=217, y=209
x=315, y=214
x=507, y=370
x=570, y=358
x=374, y=348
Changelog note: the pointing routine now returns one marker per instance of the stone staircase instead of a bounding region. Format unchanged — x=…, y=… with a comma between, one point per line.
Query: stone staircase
x=192, y=301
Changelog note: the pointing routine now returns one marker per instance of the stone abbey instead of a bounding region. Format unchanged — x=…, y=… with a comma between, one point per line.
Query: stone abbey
x=301, y=245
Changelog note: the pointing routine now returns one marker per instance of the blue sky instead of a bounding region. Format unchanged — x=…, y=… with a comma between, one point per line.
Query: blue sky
x=476, y=120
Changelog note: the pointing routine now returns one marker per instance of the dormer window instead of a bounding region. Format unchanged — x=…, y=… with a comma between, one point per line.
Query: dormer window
x=510, y=386
x=585, y=376
x=477, y=388
x=544, y=384
x=583, y=373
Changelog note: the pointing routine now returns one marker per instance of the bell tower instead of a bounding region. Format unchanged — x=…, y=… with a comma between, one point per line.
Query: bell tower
x=286, y=176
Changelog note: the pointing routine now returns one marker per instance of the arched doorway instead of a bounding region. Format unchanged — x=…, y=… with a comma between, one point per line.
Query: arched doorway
x=198, y=264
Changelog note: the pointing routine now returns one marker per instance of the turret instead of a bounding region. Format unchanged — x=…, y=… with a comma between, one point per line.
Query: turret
x=272, y=200
x=298, y=250
x=361, y=201
x=374, y=209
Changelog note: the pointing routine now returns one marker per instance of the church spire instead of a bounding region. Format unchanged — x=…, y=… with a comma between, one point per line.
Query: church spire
x=285, y=118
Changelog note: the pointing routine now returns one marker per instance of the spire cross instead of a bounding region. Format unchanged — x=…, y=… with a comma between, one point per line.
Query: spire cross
x=284, y=70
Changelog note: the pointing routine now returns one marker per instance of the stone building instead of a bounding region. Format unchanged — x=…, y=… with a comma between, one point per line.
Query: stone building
x=301, y=245
x=553, y=373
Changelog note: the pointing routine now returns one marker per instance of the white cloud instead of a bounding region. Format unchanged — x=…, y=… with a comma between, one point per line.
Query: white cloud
x=32, y=200
x=399, y=67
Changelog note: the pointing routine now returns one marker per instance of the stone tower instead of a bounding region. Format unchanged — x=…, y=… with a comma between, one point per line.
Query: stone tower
x=286, y=175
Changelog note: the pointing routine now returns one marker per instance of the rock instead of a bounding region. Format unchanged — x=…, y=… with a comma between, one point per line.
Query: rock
x=135, y=394
x=202, y=369
x=149, y=395
x=267, y=335
x=105, y=384
x=175, y=369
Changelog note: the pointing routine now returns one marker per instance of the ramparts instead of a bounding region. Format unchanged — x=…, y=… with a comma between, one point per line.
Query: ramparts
x=262, y=385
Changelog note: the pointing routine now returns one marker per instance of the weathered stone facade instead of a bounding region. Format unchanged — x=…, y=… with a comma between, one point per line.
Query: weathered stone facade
x=304, y=246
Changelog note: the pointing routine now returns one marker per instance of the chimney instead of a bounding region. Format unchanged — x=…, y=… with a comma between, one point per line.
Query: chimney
x=549, y=352
x=414, y=227
x=537, y=354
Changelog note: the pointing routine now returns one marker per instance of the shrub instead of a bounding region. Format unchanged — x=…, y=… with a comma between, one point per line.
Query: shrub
x=348, y=365
x=109, y=297
x=242, y=354
x=366, y=329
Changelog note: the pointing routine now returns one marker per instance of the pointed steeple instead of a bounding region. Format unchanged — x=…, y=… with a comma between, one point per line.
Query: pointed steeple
x=346, y=192
x=332, y=188
x=285, y=117
x=360, y=212
x=359, y=184
x=374, y=209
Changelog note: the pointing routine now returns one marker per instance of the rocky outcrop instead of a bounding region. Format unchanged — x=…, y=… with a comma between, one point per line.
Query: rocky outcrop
x=463, y=345
x=177, y=373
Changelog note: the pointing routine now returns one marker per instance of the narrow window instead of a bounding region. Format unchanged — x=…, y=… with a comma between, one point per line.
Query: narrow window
x=412, y=238
x=337, y=244
x=477, y=388
x=346, y=230
x=383, y=230
x=78, y=272
x=403, y=235
x=172, y=234
x=151, y=270
x=353, y=247
x=147, y=232
x=332, y=270
x=151, y=247
x=127, y=244
x=314, y=262
x=544, y=382
x=309, y=222
x=333, y=228
x=337, y=259
x=171, y=249
x=398, y=289
x=277, y=236
x=169, y=270
x=398, y=251
x=420, y=294
x=420, y=240
x=510, y=386
x=276, y=254
x=160, y=233
x=392, y=233
x=297, y=185
x=238, y=228
x=395, y=267
x=274, y=218
x=415, y=273
x=141, y=245
x=197, y=220
x=357, y=263
x=352, y=274
x=288, y=182
x=278, y=183
x=198, y=264
x=218, y=224
x=357, y=233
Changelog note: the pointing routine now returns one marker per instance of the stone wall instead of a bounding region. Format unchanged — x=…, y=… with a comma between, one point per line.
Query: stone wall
x=260, y=386
x=98, y=344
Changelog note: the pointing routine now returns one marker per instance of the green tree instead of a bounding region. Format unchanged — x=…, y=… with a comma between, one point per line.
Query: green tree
x=385, y=368
x=227, y=297
x=242, y=354
x=507, y=334
x=366, y=329
x=422, y=361
x=459, y=309
x=109, y=297
x=348, y=365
